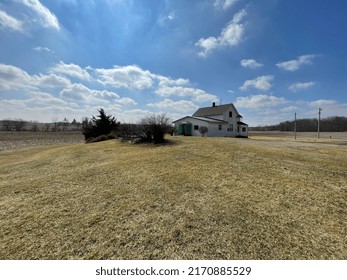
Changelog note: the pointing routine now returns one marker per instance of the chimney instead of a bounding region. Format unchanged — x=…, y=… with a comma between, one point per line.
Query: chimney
x=213, y=104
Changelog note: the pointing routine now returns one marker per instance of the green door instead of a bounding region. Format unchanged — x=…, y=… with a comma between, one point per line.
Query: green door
x=181, y=129
x=188, y=129
x=185, y=129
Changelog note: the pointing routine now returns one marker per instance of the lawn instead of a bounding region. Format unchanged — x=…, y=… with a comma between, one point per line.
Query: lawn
x=193, y=198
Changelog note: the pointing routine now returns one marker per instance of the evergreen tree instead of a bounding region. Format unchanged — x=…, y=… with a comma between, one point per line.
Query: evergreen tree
x=100, y=125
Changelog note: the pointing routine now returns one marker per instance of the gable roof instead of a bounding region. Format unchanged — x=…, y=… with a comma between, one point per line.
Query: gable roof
x=214, y=110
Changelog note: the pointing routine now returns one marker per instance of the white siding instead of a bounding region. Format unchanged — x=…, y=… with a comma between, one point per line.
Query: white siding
x=213, y=130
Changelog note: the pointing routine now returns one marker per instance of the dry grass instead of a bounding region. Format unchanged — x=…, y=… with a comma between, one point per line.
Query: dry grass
x=196, y=198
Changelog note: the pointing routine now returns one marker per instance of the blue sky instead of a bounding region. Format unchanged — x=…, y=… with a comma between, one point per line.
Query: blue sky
x=271, y=58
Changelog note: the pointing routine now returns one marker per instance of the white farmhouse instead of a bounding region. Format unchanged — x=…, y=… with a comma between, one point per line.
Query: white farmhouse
x=215, y=121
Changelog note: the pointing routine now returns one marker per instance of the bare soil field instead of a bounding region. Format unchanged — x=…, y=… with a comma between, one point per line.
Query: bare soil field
x=193, y=198
x=17, y=140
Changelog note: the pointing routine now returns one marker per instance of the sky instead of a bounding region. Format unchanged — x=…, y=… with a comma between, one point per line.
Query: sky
x=271, y=58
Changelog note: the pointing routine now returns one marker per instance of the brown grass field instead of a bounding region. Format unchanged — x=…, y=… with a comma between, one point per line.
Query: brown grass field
x=266, y=197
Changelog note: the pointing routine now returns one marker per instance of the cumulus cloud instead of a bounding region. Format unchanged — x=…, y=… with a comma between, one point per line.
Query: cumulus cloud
x=262, y=83
x=231, y=35
x=81, y=93
x=197, y=95
x=130, y=76
x=250, y=63
x=47, y=18
x=224, y=4
x=9, y=22
x=44, y=99
x=299, y=86
x=259, y=101
x=71, y=70
x=12, y=77
x=181, y=105
x=50, y=81
x=294, y=65
x=322, y=103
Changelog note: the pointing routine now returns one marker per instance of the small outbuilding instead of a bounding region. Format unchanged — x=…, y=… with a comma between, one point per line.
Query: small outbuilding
x=215, y=121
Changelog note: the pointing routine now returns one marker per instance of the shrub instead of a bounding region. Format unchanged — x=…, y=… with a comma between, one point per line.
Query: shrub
x=153, y=128
x=203, y=130
x=101, y=138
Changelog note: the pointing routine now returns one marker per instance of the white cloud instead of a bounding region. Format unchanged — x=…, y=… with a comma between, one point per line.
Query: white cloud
x=250, y=63
x=294, y=65
x=224, y=4
x=168, y=18
x=44, y=99
x=133, y=77
x=166, y=81
x=42, y=49
x=231, y=35
x=50, y=81
x=72, y=70
x=259, y=101
x=47, y=18
x=125, y=101
x=181, y=105
x=289, y=109
x=7, y=21
x=12, y=77
x=299, y=86
x=130, y=76
x=322, y=103
x=81, y=93
x=262, y=83
x=197, y=95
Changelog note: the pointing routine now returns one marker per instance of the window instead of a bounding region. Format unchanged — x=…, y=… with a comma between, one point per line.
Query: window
x=230, y=114
x=230, y=127
x=196, y=127
x=244, y=129
x=220, y=127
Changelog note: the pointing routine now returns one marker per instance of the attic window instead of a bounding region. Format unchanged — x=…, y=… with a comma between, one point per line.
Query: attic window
x=230, y=114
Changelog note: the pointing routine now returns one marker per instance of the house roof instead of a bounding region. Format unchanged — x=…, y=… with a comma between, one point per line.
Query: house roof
x=242, y=123
x=205, y=119
x=214, y=110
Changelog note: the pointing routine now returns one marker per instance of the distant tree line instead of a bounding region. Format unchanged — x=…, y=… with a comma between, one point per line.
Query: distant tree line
x=55, y=125
x=329, y=124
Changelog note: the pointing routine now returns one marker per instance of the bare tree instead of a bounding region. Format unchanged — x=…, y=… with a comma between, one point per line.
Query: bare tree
x=9, y=125
x=34, y=126
x=20, y=124
x=65, y=124
x=55, y=124
x=153, y=128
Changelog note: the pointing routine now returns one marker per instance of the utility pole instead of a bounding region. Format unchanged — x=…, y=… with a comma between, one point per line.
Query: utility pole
x=295, y=127
x=319, y=112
